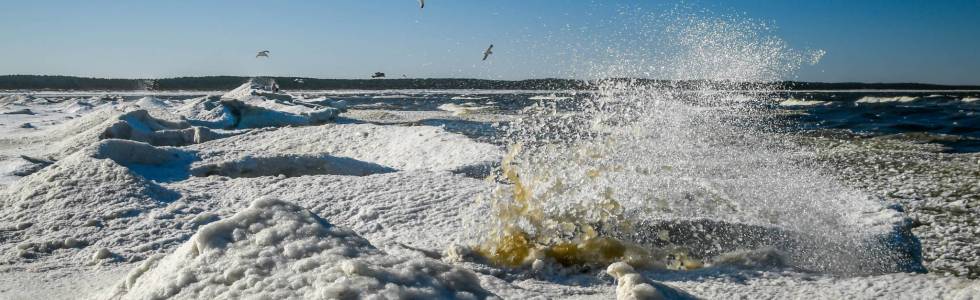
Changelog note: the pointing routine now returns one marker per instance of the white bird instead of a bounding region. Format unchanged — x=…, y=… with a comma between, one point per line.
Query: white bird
x=421, y=4
x=263, y=53
x=486, y=53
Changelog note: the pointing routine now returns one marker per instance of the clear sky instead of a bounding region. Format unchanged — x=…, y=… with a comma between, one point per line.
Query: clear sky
x=869, y=41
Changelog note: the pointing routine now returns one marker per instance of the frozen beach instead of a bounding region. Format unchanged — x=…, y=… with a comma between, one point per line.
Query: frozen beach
x=258, y=194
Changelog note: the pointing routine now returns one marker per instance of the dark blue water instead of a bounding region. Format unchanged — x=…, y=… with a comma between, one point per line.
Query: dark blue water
x=942, y=118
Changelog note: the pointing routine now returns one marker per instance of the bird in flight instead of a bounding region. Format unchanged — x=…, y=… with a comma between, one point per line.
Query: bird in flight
x=263, y=53
x=421, y=4
x=486, y=53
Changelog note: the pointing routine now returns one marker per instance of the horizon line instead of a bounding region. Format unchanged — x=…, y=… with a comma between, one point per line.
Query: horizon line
x=977, y=85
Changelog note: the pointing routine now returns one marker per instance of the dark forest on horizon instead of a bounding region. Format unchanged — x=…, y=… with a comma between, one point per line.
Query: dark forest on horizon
x=212, y=83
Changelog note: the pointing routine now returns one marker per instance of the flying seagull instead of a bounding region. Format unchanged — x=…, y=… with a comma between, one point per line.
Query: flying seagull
x=421, y=4
x=263, y=53
x=486, y=53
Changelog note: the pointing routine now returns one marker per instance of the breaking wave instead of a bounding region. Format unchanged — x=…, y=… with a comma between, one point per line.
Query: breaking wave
x=663, y=177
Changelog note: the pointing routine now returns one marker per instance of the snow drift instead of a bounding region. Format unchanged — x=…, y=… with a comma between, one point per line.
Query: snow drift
x=395, y=147
x=274, y=249
x=252, y=107
x=51, y=216
x=138, y=125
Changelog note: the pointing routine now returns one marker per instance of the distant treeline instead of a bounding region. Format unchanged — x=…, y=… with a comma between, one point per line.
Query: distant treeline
x=42, y=82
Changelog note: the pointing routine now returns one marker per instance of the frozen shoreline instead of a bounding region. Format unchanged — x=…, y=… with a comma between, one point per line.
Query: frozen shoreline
x=409, y=202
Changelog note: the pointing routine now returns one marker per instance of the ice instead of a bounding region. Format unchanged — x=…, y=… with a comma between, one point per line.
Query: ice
x=280, y=250
x=253, y=105
x=396, y=147
x=650, y=193
x=464, y=109
x=631, y=285
x=108, y=207
x=70, y=202
x=138, y=125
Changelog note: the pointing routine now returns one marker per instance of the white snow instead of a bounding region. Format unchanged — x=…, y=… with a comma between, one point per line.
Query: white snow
x=398, y=147
x=256, y=107
x=274, y=249
x=257, y=194
x=464, y=109
x=631, y=285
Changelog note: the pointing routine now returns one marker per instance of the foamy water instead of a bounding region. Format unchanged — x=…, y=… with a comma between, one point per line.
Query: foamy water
x=682, y=173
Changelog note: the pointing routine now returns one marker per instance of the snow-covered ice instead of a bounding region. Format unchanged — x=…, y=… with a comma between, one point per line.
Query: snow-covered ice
x=278, y=250
x=254, y=193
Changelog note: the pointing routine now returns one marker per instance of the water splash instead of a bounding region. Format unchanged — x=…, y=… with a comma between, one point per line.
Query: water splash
x=671, y=173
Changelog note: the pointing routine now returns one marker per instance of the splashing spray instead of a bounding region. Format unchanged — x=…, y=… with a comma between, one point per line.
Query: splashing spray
x=668, y=173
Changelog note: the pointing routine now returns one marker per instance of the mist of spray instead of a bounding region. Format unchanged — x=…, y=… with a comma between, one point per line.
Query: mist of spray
x=641, y=166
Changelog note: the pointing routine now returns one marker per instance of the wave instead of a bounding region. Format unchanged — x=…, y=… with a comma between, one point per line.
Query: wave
x=550, y=97
x=899, y=99
x=793, y=102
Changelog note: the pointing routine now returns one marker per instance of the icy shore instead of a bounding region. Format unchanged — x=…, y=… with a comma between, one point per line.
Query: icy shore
x=255, y=193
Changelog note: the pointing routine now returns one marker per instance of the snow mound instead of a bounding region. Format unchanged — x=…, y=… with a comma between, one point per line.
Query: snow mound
x=277, y=250
x=16, y=99
x=148, y=120
x=126, y=121
x=257, y=112
x=75, y=107
x=397, y=147
x=138, y=125
x=76, y=202
x=633, y=286
x=290, y=165
x=125, y=152
x=970, y=99
x=423, y=209
x=207, y=112
x=255, y=107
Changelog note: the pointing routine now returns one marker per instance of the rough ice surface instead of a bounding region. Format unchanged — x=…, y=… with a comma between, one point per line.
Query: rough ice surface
x=252, y=106
x=123, y=201
x=275, y=249
x=398, y=147
x=631, y=285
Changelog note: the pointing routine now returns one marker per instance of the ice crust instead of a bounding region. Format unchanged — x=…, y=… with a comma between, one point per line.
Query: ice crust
x=397, y=147
x=274, y=249
x=159, y=197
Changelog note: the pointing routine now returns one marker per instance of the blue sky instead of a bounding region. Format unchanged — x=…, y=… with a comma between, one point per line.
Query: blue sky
x=870, y=41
